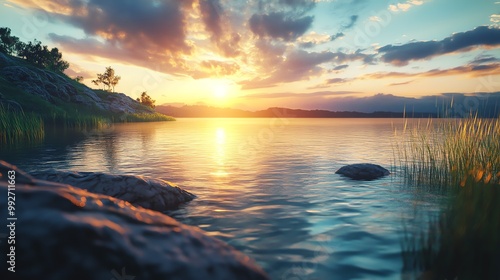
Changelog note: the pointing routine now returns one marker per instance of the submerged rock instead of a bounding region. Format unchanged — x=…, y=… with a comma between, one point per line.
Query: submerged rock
x=363, y=171
x=141, y=191
x=63, y=232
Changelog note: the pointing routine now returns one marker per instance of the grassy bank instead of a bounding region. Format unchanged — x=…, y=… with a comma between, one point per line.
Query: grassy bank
x=152, y=117
x=459, y=158
x=17, y=126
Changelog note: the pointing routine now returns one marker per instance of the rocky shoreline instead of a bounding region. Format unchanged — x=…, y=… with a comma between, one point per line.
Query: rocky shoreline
x=69, y=232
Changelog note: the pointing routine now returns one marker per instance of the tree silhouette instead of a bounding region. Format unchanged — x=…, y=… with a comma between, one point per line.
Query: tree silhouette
x=108, y=79
x=8, y=43
x=40, y=55
x=145, y=99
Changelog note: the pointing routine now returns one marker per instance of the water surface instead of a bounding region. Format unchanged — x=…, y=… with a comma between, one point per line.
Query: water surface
x=266, y=186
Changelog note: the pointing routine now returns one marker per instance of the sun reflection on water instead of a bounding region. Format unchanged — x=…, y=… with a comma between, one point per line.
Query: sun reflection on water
x=220, y=153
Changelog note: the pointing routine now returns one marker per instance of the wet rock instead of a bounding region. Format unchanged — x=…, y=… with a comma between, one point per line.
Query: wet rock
x=363, y=171
x=63, y=232
x=141, y=191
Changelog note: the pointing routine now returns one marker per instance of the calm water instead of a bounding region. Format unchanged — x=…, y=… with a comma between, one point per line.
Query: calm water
x=266, y=186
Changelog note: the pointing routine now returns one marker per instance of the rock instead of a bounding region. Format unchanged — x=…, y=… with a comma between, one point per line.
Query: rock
x=62, y=232
x=363, y=171
x=141, y=191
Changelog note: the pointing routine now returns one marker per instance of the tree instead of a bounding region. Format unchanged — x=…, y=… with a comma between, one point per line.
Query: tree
x=108, y=79
x=8, y=43
x=40, y=55
x=146, y=100
x=79, y=79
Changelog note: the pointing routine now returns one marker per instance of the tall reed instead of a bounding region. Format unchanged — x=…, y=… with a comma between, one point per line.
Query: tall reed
x=460, y=152
x=460, y=158
x=20, y=126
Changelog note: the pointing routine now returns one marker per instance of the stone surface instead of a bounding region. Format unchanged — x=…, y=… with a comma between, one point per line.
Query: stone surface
x=363, y=171
x=141, y=191
x=64, y=233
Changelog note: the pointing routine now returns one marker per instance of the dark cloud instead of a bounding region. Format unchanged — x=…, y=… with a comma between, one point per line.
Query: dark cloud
x=353, y=20
x=336, y=36
x=279, y=25
x=482, y=36
x=401, y=84
x=213, y=16
x=471, y=70
x=211, y=11
x=304, y=5
x=156, y=25
x=341, y=57
x=340, y=67
x=484, y=59
x=148, y=33
x=336, y=81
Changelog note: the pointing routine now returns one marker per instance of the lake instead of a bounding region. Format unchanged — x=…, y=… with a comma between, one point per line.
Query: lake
x=266, y=186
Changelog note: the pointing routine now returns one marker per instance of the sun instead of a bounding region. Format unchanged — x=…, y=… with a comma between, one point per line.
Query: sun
x=220, y=91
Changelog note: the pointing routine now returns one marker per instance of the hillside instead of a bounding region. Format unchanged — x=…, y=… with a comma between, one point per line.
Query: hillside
x=200, y=111
x=55, y=96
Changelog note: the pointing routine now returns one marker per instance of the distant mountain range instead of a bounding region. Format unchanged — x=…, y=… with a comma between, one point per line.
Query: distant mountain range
x=202, y=111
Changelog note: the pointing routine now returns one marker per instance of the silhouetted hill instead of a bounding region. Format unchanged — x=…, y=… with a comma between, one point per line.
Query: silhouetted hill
x=201, y=111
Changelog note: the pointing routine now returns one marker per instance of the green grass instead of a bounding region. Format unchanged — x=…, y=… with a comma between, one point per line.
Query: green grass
x=461, y=159
x=19, y=126
x=153, y=117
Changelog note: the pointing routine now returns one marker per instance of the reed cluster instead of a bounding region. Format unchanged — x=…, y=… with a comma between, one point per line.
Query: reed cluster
x=459, y=152
x=20, y=126
x=461, y=159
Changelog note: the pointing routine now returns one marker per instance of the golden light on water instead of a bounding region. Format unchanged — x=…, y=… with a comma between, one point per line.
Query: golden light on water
x=220, y=153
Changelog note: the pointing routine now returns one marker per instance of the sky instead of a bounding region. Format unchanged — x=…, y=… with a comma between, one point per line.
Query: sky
x=309, y=54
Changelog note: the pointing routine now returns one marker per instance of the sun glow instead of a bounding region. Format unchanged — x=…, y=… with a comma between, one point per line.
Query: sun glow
x=220, y=91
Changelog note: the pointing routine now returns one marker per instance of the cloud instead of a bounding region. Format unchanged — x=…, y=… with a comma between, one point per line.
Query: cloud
x=471, y=70
x=495, y=20
x=214, y=17
x=337, y=81
x=481, y=59
x=220, y=68
x=312, y=39
x=74, y=70
x=278, y=25
x=336, y=36
x=353, y=20
x=322, y=94
x=341, y=67
x=401, y=84
x=298, y=65
x=148, y=33
x=403, y=7
x=481, y=36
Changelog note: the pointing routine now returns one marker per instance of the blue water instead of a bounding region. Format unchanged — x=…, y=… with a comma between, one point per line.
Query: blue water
x=266, y=186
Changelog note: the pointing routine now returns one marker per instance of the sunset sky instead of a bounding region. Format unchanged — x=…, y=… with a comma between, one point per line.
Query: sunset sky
x=257, y=54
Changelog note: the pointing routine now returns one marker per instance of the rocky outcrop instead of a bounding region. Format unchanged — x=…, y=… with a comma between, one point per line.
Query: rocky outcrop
x=363, y=171
x=64, y=233
x=52, y=86
x=141, y=191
